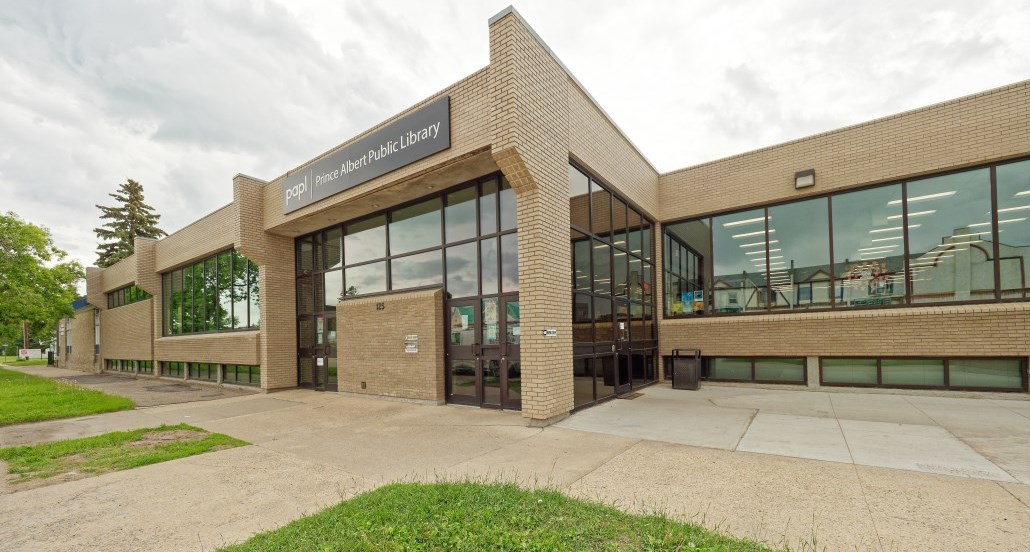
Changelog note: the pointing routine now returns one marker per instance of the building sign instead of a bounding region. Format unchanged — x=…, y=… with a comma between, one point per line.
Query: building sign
x=411, y=343
x=402, y=142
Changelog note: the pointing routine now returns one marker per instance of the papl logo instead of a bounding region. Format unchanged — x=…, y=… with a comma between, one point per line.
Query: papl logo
x=298, y=190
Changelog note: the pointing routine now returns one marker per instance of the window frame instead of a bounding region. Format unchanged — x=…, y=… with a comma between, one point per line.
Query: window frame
x=829, y=195
x=199, y=302
x=946, y=360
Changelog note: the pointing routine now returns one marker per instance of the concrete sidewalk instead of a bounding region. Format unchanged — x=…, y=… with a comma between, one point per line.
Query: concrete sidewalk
x=313, y=449
x=981, y=438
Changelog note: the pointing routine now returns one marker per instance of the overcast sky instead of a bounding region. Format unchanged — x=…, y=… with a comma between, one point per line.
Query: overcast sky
x=183, y=95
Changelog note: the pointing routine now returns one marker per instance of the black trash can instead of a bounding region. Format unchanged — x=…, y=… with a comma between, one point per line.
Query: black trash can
x=686, y=369
x=49, y=358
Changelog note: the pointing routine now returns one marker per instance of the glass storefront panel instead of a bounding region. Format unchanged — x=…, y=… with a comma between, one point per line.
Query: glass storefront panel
x=488, y=265
x=869, y=247
x=582, y=381
x=365, y=240
x=239, y=291
x=861, y=371
x=582, y=279
x=951, y=247
x=333, y=289
x=491, y=321
x=509, y=263
x=333, y=246
x=305, y=296
x=999, y=374
x=422, y=269
x=1013, y=181
x=488, y=208
x=739, y=263
x=603, y=327
x=514, y=380
x=799, y=264
x=463, y=378
x=369, y=278
x=780, y=369
x=731, y=369
x=463, y=325
x=415, y=227
x=919, y=372
x=462, y=270
x=605, y=376
x=600, y=211
x=460, y=215
x=602, y=268
x=508, y=206
x=254, y=295
x=582, y=318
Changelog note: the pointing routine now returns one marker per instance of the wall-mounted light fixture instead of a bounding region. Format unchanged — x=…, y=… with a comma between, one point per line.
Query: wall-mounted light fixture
x=804, y=179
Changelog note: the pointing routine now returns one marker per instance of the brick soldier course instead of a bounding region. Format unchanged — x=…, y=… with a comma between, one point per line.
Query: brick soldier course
x=526, y=118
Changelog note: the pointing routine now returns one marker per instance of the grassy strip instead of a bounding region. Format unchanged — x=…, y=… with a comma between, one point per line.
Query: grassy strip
x=116, y=451
x=15, y=361
x=472, y=516
x=27, y=398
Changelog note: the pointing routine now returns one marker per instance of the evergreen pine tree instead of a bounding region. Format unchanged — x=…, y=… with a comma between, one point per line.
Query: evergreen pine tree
x=131, y=218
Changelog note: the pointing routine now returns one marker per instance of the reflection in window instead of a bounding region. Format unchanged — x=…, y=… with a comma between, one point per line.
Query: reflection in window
x=369, y=278
x=460, y=214
x=951, y=253
x=488, y=208
x=462, y=270
x=602, y=268
x=739, y=263
x=582, y=280
x=214, y=294
x=422, y=269
x=415, y=227
x=509, y=263
x=365, y=240
x=799, y=264
x=333, y=289
x=869, y=246
x=488, y=264
x=507, y=206
x=686, y=247
x=1013, y=181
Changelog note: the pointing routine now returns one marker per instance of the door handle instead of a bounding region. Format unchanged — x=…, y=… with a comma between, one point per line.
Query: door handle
x=477, y=350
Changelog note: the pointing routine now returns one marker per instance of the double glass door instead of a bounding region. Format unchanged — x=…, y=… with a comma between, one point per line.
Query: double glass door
x=483, y=366
x=317, y=351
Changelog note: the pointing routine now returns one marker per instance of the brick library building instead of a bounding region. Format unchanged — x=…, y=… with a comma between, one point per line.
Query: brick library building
x=503, y=244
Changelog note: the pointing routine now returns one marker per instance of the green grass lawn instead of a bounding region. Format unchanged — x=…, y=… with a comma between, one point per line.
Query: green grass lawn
x=116, y=451
x=15, y=361
x=473, y=517
x=26, y=398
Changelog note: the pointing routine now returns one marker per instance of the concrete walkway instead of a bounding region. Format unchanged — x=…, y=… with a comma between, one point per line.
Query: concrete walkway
x=313, y=449
x=981, y=438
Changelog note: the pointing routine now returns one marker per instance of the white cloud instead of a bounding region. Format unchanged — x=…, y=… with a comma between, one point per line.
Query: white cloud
x=181, y=96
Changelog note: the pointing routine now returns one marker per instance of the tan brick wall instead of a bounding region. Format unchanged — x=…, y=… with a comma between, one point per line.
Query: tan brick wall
x=598, y=145
x=210, y=234
x=82, y=341
x=966, y=131
x=127, y=332
x=530, y=112
x=970, y=330
x=371, y=345
x=274, y=256
x=239, y=347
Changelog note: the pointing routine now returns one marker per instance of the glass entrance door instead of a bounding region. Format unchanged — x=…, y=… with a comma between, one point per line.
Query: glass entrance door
x=483, y=363
x=623, y=347
x=322, y=352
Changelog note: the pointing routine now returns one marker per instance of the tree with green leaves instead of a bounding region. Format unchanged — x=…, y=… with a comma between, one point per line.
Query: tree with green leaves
x=130, y=219
x=37, y=284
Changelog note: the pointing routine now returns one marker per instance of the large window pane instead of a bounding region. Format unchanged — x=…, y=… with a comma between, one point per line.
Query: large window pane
x=210, y=294
x=460, y=215
x=799, y=265
x=600, y=211
x=950, y=247
x=365, y=240
x=488, y=265
x=581, y=279
x=912, y=372
x=253, y=295
x=175, y=325
x=333, y=256
x=370, y=278
x=860, y=371
x=333, y=291
x=509, y=262
x=239, y=290
x=603, y=327
x=199, y=299
x=687, y=245
x=305, y=295
x=166, y=303
x=582, y=381
x=579, y=198
x=224, y=291
x=869, y=247
x=507, y=206
x=1013, y=182
x=415, y=227
x=582, y=318
x=1001, y=374
x=739, y=242
x=620, y=273
x=731, y=368
x=604, y=376
x=187, y=300
x=462, y=270
x=488, y=208
x=780, y=369
x=423, y=269
x=305, y=255
x=620, y=224
x=602, y=268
